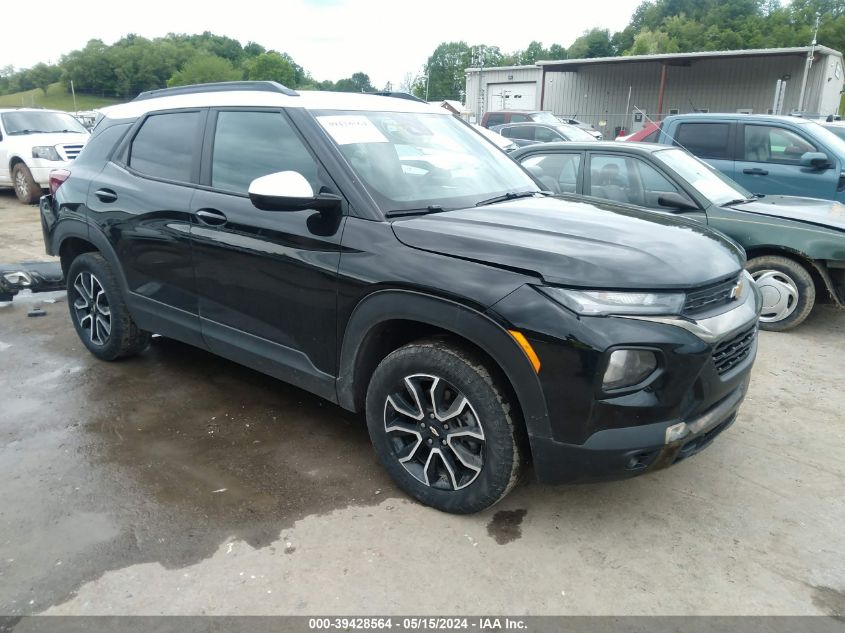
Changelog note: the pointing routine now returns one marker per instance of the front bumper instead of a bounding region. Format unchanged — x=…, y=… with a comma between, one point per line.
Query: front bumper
x=632, y=451
x=593, y=434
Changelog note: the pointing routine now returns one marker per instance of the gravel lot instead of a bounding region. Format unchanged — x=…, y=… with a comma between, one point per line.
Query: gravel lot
x=180, y=483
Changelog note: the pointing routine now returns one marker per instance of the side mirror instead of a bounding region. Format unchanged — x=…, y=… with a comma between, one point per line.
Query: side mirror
x=289, y=191
x=816, y=160
x=674, y=200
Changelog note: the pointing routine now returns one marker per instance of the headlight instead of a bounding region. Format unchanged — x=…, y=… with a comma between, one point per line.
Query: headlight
x=628, y=367
x=602, y=302
x=47, y=152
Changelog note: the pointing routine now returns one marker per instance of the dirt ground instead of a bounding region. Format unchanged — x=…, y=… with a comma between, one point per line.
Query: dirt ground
x=180, y=483
x=20, y=231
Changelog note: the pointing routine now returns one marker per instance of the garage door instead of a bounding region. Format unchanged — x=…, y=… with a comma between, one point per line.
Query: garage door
x=519, y=96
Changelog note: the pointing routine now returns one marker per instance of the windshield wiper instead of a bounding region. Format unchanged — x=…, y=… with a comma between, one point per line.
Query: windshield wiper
x=398, y=213
x=510, y=195
x=740, y=201
x=27, y=132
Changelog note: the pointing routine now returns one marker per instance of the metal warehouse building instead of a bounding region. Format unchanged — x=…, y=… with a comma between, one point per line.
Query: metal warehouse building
x=624, y=92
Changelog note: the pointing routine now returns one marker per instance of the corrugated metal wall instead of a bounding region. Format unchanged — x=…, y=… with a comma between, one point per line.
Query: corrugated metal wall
x=599, y=93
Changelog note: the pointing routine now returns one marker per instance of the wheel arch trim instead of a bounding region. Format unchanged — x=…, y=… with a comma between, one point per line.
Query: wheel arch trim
x=450, y=316
x=802, y=258
x=77, y=229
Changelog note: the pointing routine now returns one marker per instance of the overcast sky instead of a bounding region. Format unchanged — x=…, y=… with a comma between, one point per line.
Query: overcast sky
x=329, y=38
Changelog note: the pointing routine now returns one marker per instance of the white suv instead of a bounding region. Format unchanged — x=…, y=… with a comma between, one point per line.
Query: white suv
x=32, y=144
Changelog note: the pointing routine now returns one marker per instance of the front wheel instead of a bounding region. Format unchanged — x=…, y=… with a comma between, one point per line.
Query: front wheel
x=788, y=291
x=443, y=426
x=26, y=189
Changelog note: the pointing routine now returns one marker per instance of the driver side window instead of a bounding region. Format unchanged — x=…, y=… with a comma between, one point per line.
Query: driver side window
x=628, y=179
x=767, y=144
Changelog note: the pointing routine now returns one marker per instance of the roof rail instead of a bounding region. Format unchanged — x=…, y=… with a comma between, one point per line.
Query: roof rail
x=222, y=86
x=397, y=95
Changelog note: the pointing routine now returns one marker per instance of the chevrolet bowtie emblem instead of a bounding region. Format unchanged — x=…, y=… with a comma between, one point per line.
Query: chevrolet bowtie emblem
x=736, y=291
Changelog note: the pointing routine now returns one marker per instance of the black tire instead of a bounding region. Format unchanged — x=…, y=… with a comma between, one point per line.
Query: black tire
x=498, y=454
x=779, y=277
x=26, y=189
x=122, y=338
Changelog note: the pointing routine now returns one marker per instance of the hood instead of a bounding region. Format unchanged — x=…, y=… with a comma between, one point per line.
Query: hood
x=579, y=244
x=812, y=210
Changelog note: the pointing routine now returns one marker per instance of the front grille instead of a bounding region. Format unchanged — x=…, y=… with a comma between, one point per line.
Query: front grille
x=70, y=151
x=728, y=354
x=710, y=297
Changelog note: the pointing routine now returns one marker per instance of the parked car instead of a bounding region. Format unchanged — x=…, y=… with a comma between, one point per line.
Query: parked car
x=647, y=134
x=529, y=133
x=795, y=246
x=765, y=154
x=32, y=144
x=500, y=117
x=497, y=139
x=471, y=318
x=588, y=128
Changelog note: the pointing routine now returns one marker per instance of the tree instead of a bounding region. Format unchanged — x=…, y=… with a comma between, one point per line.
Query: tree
x=593, y=43
x=648, y=42
x=42, y=75
x=358, y=82
x=445, y=69
x=205, y=68
x=271, y=66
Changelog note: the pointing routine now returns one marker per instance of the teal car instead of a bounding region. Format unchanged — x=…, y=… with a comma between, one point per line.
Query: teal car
x=795, y=246
x=782, y=155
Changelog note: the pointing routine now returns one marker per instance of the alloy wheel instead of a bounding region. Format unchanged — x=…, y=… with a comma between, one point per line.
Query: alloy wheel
x=21, y=184
x=780, y=295
x=91, y=307
x=434, y=432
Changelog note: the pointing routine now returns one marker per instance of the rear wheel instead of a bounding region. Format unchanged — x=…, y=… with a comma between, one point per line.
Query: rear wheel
x=26, y=189
x=99, y=312
x=788, y=291
x=443, y=427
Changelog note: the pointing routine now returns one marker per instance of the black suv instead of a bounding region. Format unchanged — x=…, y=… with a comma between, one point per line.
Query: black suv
x=380, y=253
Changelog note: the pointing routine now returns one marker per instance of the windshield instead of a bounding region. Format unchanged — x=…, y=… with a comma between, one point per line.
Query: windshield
x=827, y=137
x=838, y=130
x=26, y=122
x=573, y=133
x=545, y=117
x=711, y=184
x=419, y=160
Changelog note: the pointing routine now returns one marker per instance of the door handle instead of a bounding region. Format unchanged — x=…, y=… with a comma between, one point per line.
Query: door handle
x=212, y=217
x=756, y=171
x=105, y=195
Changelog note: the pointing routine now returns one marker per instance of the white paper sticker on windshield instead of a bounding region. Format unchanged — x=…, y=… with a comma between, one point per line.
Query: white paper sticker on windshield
x=347, y=129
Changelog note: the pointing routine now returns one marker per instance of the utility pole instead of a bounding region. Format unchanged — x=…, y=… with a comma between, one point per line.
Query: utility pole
x=810, y=54
x=481, y=91
x=73, y=92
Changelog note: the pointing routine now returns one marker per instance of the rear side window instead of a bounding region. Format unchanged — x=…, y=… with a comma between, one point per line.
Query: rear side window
x=524, y=132
x=520, y=118
x=495, y=119
x=651, y=138
x=101, y=143
x=705, y=140
x=558, y=172
x=164, y=146
x=545, y=135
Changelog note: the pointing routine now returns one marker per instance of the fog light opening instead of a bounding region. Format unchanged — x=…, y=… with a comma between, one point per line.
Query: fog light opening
x=628, y=367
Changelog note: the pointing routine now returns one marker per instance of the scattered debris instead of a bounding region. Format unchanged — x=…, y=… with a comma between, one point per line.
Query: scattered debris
x=219, y=490
x=36, y=311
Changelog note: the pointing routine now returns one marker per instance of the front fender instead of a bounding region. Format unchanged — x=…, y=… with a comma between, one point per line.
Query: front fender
x=476, y=327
